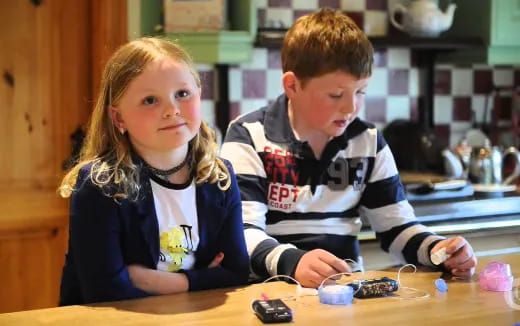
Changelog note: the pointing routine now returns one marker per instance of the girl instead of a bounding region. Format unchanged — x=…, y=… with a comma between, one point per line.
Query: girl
x=153, y=210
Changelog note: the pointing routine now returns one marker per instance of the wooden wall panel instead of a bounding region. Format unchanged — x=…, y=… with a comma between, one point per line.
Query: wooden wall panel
x=44, y=94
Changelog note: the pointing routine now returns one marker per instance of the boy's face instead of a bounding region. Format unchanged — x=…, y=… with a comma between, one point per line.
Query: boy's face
x=161, y=107
x=327, y=104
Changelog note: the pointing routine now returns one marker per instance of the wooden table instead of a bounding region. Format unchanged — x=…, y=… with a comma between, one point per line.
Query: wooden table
x=463, y=304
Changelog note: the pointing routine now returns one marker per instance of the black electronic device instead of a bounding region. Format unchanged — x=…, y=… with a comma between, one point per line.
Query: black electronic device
x=374, y=288
x=272, y=311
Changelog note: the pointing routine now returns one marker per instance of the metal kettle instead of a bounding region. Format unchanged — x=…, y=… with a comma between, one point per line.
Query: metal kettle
x=486, y=165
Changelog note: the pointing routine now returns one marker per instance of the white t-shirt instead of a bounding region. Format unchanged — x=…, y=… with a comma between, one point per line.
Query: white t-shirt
x=178, y=225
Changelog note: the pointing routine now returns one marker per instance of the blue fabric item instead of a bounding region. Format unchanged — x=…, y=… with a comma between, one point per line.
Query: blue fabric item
x=341, y=295
x=441, y=285
x=105, y=236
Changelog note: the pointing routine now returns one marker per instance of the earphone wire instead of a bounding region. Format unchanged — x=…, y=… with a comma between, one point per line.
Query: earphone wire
x=413, y=290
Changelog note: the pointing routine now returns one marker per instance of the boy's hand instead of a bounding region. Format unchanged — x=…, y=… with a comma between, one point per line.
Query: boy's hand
x=316, y=265
x=462, y=261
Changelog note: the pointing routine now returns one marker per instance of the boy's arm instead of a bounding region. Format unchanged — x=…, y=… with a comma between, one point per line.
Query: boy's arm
x=391, y=216
x=268, y=257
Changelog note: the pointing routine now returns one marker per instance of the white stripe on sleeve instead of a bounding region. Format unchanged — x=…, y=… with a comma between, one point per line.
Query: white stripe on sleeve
x=397, y=246
x=244, y=158
x=423, y=255
x=334, y=225
x=384, y=165
x=387, y=217
x=253, y=238
x=271, y=261
x=253, y=212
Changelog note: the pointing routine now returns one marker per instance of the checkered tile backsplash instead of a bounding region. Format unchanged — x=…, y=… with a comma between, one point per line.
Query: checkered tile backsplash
x=461, y=92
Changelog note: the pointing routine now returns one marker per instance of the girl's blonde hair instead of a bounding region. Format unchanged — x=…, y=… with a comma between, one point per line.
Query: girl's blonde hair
x=110, y=152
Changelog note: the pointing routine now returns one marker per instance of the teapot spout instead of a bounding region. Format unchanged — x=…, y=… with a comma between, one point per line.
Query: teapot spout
x=447, y=17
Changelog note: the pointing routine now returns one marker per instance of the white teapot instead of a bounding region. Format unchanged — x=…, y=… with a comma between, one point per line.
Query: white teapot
x=423, y=18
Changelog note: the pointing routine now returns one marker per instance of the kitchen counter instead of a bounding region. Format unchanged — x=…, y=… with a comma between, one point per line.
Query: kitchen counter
x=460, y=213
x=467, y=207
x=491, y=225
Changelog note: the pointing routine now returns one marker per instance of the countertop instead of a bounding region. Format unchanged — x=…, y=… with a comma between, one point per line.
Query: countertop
x=465, y=214
x=463, y=304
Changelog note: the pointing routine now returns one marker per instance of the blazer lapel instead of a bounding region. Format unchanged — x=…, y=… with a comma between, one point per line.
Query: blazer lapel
x=203, y=202
x=147, y=218
x=210, y=202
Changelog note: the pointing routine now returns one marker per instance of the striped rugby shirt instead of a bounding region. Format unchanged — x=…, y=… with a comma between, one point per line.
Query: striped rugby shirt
x=293, y=202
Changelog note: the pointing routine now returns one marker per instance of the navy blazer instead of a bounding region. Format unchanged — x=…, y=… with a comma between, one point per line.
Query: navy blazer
x=105, y=236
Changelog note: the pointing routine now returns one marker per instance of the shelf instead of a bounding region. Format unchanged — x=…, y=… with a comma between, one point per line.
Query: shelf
x=273, y=38
x=216, y=47
x=212, y=47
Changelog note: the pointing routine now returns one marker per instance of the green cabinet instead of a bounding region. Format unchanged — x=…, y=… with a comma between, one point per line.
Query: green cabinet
x=145, y=17
x=497, y=22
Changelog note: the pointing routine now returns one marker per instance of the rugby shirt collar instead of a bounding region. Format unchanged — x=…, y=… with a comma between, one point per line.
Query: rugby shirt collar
x=278, y=129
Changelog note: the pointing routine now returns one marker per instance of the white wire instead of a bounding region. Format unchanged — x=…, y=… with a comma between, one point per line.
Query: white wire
x=359, y=281
x=338, y=274
x=281, y=275
x=403, y=267
x=299, y=289
x=424, y=295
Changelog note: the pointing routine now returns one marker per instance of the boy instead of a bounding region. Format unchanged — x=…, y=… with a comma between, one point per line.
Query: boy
x=307, y=167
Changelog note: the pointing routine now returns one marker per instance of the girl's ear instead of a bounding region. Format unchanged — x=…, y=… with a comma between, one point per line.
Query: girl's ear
x=117, y=120
x=290, y=84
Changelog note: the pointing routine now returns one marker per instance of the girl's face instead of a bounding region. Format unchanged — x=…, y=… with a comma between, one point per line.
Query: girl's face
x=160, y=110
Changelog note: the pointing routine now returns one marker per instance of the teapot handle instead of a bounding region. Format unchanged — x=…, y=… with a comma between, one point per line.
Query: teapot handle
x=397, y=8
x=452, y=164
x=512, y=151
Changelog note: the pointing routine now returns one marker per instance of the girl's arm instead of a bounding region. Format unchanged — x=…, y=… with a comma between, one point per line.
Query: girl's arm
x=234, y=268
x=95, y=231
x=157, y=282
x=160, y=282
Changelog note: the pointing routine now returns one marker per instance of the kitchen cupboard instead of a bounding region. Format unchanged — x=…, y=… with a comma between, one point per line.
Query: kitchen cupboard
x=497, y=22
x=233, y=45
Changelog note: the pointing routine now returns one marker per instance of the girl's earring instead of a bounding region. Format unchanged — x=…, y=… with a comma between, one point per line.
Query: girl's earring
x=122, y=131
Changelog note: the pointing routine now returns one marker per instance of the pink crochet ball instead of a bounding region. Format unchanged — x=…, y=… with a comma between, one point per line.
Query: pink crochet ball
x=496, y=276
